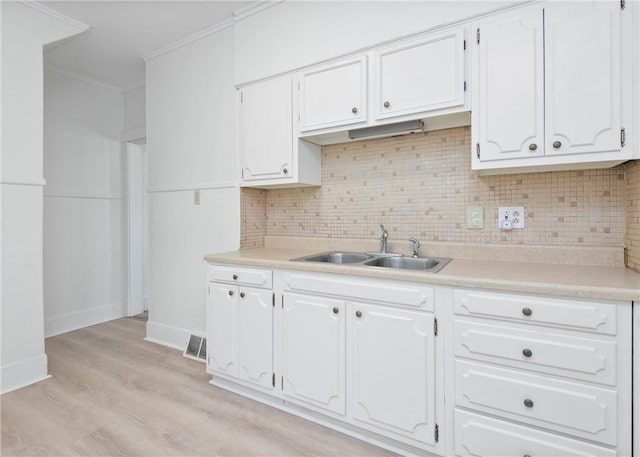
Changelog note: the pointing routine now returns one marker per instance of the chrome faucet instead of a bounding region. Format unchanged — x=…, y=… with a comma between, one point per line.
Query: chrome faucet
x=383, y=240
x=416, y=245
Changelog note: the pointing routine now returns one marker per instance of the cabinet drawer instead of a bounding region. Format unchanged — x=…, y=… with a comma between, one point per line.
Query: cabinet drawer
x=538, y=348
x=583, y=315
x=479, y=435
x=362, y=289
x=239, y=275
x=567, y=407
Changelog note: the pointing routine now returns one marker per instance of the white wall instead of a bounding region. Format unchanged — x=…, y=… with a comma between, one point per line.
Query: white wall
x=293, y=34
x=24, y=31
x=84, y=231
x=135, y=118
x=191, y=128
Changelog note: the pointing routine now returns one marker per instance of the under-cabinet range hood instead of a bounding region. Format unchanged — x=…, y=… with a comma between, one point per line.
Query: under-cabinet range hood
x=380, y=131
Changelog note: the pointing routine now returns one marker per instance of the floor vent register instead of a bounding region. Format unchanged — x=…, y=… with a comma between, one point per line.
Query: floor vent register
x=196, y=348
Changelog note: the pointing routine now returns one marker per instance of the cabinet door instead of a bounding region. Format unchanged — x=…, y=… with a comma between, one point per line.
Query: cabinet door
x=221, y=335
x=420, y=75
x=266, y=130
x=392, y=370
x=582, y=77
x=508, y=85
x=255, y=336
x=314, y=351
x=334, y=96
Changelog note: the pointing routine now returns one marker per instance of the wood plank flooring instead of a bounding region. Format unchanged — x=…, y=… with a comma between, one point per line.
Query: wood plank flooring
x=114, y=394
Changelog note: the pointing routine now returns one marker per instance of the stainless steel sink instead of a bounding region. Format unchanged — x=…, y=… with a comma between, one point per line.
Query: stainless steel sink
x=395, y=261
x=432, y=264
x=336, y=257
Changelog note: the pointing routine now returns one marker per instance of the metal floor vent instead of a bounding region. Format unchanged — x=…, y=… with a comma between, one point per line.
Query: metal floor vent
x=196, y=348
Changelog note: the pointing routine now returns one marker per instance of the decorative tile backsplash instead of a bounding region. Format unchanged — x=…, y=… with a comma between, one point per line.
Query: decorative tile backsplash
x=632, y=207
x=253, y=213
x=420, y=185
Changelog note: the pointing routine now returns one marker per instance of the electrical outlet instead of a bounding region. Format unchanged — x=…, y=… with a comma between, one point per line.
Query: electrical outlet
x=475, y=217
x=510, y=217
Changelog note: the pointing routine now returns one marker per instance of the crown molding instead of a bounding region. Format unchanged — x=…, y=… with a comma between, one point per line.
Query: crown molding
x=211, y=30
x=255, y=8
x=82, y=78
x=81, y=26
x=134, y=86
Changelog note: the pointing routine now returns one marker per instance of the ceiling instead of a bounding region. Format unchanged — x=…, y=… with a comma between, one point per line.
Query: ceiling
x=122, y=32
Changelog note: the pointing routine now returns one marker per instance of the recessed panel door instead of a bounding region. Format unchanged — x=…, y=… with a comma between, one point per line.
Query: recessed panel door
x=314, y=351
x=508, y=87
x=255, y=336
x=582, y=77
x=392, y=378
x=221, y=336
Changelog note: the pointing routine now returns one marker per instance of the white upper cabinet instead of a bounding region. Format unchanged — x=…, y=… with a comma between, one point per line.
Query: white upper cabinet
x=547, y=89
x=271, y=155
x=420, y=75
x=508, y=100
x=582, y=77
x=418, y=78
x=334, y=95
x=266, y=120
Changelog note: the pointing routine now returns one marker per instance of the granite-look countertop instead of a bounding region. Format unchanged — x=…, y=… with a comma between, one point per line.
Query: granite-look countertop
x=592, y=282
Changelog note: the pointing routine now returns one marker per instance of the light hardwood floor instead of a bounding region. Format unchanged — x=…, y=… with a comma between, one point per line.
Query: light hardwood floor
x=112, y=393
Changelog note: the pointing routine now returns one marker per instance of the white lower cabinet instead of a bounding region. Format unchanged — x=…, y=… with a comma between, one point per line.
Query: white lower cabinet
x=523, y=375
x=371, y=364
x=540, y=376
x=392, y=371
x=313, y=352
x=477, y=435
x=240, y=333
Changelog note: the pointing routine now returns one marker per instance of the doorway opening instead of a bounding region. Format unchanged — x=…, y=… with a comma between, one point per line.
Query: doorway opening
x=138, y=240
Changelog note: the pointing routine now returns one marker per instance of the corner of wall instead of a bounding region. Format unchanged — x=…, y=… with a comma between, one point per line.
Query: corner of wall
x=22, y=373
x=253, y=217
x=632, y=215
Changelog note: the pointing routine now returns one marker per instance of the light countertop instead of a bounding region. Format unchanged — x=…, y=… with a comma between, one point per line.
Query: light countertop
x=592, y=282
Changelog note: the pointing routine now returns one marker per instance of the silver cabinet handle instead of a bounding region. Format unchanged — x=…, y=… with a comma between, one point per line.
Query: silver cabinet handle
x=557, y=144
x=354, y=110
x=387, y=104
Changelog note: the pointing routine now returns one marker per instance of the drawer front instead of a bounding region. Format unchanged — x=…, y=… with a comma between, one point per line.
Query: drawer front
x=477, y=435
x=539, y=349
x=582, y=315
x=238, y=275
x=366, y=290
x=567, y=407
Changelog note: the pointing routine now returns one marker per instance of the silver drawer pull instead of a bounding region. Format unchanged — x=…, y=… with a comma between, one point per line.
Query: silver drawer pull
x=527, y=311
x=528, y=403
x=527, y=353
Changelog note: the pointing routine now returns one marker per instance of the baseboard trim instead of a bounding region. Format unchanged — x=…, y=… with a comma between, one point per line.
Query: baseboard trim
x=73, y=321
x=165, y=335
x=21, y=374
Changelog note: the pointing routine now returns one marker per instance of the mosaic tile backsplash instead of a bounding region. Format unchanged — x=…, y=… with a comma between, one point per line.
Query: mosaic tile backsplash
x=632, y=207
x=420, y=185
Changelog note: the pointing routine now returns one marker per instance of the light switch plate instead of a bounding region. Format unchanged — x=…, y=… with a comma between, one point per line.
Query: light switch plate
x=475, y=217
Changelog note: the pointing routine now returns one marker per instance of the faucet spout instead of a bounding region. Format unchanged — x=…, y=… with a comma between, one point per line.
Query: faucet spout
x=383, y=239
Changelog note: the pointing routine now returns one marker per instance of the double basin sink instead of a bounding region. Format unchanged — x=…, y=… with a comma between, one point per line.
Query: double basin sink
x=427, y=264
